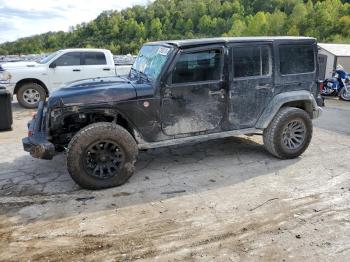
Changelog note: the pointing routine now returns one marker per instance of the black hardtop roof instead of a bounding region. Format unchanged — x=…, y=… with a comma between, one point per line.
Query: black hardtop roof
x=223, y=40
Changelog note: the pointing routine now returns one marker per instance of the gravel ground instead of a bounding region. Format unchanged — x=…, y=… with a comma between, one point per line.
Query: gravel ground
x=222, y=200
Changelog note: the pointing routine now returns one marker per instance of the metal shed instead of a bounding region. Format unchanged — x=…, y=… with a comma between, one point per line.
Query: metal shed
x=330, y=55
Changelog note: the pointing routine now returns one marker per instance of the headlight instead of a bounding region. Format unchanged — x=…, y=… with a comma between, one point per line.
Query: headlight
x=5, y=76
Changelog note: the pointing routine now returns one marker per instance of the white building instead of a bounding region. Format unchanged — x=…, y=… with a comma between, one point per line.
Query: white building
x=330, y=55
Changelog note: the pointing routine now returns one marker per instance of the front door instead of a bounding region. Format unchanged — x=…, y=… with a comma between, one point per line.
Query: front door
x=67, y=68
x=193, y=99
x=251, y=83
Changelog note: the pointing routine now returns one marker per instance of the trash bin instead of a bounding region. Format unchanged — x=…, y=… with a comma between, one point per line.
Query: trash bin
x=5, y=109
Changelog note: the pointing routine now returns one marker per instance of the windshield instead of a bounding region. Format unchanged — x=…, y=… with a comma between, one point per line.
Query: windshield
x=49, y=57
x=151, y=60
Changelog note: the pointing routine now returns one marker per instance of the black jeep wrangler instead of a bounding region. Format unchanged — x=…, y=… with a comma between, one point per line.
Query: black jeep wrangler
x=180, y=92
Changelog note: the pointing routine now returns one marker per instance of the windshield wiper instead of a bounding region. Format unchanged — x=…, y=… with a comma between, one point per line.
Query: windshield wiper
x=134, y=73
x=145, y=76
x=134, y=70
x=140, y=74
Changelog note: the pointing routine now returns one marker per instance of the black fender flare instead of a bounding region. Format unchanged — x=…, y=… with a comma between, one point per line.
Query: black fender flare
x=282, y=99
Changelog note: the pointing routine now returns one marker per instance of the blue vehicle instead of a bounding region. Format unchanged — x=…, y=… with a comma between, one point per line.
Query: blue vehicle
x=338, y=85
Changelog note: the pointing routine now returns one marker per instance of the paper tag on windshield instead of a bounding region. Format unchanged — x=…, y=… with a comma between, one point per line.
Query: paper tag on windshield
x=163, y=50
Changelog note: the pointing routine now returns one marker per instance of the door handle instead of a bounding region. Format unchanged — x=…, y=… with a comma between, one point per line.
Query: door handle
x=259, y=87
x=167, y=93
x=214, y=92
x=106, y=69
x=220, y=92
x=76, y=70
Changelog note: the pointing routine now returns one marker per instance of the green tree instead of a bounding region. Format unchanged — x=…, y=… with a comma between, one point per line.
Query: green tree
x=344, y=25
x=206, y=25
x=126, y=30
x=257, y=24
x=188, y=27
x=293, y=31
x=237, y=29
x=155, y=29
x=276, y=23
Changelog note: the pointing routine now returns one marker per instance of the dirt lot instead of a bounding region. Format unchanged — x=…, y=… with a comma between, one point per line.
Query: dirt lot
x=223, y=200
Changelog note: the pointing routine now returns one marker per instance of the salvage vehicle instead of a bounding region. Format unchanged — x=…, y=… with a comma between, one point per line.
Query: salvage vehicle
x=182, y=92
x=31, y=82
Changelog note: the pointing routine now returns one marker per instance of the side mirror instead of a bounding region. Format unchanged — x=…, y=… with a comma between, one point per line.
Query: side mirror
x=52, y=65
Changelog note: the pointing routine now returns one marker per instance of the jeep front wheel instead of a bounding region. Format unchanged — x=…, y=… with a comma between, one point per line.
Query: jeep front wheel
x=29, y=95
x=289, y=133
x=101, y=155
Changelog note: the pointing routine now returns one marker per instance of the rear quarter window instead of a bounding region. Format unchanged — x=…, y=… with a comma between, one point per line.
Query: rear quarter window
x=296, y=59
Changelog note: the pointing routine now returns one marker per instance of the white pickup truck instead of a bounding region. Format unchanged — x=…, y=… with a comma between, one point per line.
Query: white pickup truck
x=31, y=82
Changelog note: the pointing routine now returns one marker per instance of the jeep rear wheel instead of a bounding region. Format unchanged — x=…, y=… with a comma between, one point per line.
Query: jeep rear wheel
x=101, y=155
x=29, y=95
x=289, y=133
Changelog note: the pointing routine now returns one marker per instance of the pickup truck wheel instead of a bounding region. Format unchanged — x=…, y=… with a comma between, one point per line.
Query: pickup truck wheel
x=29, y=95
x=289, y=133
x=101, y=155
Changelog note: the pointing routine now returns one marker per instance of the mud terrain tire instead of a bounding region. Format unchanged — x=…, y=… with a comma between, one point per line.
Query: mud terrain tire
x=289, y=133
x=30, y=94
x=103, y=144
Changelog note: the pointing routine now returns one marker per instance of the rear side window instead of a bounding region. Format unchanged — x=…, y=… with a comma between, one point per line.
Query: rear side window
x=197, y=67
x=68, y=59
x=296, y=59
x=95, y=58
x=251, y=61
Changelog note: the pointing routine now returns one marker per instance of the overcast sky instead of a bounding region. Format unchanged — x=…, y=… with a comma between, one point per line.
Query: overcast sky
x=21, y=18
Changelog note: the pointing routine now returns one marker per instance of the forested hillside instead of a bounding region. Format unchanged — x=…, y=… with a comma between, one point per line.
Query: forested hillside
x=125, y=31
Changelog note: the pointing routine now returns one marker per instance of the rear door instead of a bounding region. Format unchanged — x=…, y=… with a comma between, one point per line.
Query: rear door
x=95, y=65
x=193, y=99
x=251, y=83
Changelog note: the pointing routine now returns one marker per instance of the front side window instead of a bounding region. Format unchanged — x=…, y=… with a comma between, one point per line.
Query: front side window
x=197, y=67
x=296, y=59
x=95, y=58
x=251, y=61
x=68, y=59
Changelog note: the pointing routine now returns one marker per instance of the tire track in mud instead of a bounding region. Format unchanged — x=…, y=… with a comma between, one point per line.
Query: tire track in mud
x=241, y=238
x=162, y=233
x=186, y=233
x=239, y=234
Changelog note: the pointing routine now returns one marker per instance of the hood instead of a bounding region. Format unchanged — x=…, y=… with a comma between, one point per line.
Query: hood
x=93, y=91
x=18, y=65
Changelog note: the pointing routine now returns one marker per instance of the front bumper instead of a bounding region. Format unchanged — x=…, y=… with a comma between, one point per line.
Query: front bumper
x=37, y=143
